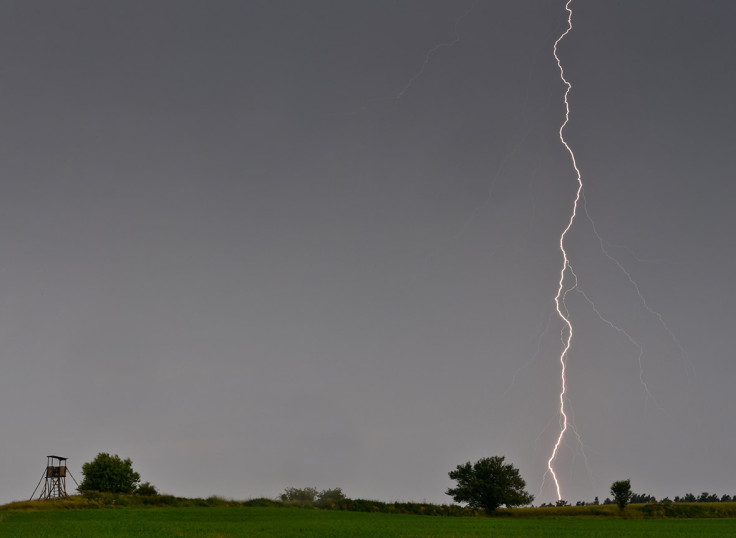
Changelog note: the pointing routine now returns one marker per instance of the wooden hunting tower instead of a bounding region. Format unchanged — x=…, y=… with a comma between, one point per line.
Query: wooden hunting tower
x=55, y=475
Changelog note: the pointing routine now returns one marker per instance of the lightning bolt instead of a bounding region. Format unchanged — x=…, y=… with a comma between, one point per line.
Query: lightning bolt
x=567, y=332
x=568, y=282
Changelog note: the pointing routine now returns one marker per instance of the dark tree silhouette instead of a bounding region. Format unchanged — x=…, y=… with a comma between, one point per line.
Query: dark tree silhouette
x=488, y=484
x=621, y=491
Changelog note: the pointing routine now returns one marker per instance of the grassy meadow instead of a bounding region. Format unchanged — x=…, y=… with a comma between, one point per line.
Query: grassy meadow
x=219, y=518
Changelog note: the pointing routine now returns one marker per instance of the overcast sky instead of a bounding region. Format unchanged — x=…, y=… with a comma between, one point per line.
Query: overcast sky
x=255, y=245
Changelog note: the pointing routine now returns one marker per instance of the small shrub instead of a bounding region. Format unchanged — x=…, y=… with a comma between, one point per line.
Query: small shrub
x=654, y=510
x=261, y=502
x=161, y=500
x=146, y=489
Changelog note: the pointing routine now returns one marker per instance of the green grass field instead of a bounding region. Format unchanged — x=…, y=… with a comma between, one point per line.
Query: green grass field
x=249, y=521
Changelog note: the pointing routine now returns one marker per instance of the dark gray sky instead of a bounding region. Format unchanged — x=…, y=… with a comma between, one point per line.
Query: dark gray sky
x=254, y=245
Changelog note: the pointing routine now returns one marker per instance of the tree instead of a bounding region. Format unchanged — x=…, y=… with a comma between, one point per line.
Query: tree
x=621, y=491
x=299, y=495
x=642, y=498
x=706, y=497
x=488, y=484
x=330, y=497
x=146, y=489
x=310, y=496
x=109, y=473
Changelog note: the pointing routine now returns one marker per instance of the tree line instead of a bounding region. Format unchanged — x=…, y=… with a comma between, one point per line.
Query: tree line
x=484, y=485
x=644, y=498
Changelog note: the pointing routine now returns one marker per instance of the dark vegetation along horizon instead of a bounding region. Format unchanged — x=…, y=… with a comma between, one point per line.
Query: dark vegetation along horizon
x=652, y=510
x=488, y=487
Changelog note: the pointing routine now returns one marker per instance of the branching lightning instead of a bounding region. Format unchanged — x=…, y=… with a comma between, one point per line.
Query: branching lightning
x=635, y=286
x=568, y=282
x=427, y=60
x=566, y=268
x=568, y=279
x=432, y=51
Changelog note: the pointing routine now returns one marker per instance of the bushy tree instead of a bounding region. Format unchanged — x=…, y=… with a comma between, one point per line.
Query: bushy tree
x=706, y=497
x=488, y=484
x=310, y=496
x=621, y=491
x=642, y=498
x=299, y=495
x=109, y=473
x=329, y=497
x=146, y=489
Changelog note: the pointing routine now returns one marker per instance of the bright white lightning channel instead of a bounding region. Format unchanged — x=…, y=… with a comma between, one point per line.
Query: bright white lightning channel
x=566, y=268
x=569, y=282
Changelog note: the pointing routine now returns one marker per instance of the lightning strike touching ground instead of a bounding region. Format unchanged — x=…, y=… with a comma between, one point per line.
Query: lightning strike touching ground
x=561, y=311
x=568, y=282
